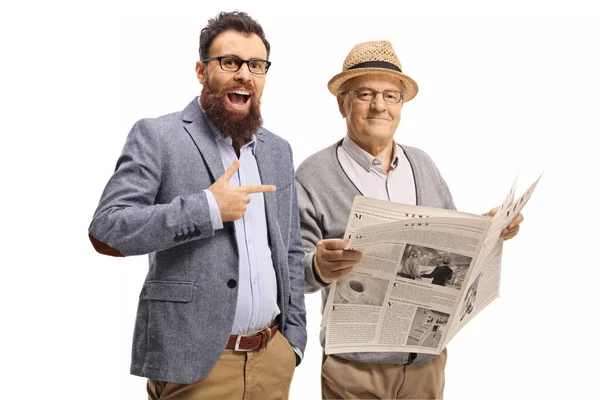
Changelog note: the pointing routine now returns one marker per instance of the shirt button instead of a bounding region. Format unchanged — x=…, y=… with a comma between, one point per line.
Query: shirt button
x=231, y=283
x=250, y=240
x=254, y=282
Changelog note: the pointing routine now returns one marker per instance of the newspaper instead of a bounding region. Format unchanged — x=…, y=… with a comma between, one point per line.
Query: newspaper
x=426, y=272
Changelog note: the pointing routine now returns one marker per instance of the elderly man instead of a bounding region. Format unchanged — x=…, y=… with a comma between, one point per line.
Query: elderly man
x=209, y=194
x=370, y=93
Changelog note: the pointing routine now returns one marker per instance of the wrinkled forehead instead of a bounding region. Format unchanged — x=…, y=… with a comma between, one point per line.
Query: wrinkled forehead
x=374, y=81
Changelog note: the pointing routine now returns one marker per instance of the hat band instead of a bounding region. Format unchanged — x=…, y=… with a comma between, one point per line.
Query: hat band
x=376, y=64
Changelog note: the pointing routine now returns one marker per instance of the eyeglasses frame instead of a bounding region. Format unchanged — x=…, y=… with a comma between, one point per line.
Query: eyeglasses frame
x=247, y=62
x=355, y=91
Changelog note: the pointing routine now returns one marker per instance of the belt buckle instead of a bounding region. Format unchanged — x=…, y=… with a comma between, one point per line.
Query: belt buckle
x=237, y=344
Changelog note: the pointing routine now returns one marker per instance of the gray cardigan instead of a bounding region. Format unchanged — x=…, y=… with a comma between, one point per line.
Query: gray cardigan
x=325, y=195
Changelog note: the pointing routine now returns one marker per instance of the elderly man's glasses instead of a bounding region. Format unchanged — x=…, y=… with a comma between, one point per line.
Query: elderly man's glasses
x=233, y=64
x=368, y=94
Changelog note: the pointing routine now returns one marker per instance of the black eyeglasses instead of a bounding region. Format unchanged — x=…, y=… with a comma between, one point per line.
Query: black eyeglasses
x=233, y=64
x=368, y=94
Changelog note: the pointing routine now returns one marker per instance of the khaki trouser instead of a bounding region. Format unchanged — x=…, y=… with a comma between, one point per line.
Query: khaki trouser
x=341, y=379
x=263, y=374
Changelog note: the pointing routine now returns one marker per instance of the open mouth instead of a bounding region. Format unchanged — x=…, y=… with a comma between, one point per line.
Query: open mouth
x=238, y=98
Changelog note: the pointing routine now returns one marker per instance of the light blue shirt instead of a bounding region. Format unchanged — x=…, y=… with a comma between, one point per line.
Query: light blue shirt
x=257, y=283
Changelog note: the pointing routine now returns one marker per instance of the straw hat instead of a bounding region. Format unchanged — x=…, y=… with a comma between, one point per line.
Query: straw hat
x=373, y=58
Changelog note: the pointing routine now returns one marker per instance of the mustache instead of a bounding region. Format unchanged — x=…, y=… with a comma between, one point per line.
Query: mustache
x=238, y=126
x=248, y=86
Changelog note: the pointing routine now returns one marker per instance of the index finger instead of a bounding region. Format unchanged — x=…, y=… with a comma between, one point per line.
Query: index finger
x=493, y=211
x=334, y=244
x=230, y=171
x=516, y=221
x=258, y=188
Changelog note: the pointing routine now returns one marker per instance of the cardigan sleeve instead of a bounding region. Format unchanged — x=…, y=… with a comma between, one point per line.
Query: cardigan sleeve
x=311, y=228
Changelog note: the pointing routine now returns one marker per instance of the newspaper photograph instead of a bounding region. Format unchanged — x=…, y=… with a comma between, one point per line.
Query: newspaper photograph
x=426, y=272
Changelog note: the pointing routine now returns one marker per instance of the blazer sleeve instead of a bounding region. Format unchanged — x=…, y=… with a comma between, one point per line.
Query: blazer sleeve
x=295, y=328
x=127, y=220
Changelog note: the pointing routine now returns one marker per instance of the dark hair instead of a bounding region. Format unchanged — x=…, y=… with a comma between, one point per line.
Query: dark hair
x=236, y=20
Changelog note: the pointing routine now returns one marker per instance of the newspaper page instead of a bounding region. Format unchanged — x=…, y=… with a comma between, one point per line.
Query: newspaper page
x=423, y=276
x=366, y=212
x=484, y=285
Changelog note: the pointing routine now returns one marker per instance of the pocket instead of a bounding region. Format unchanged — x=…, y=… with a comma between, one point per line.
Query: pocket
x=180, y=292
x=289, y=347
x=171, y=321
x=166, y=390
x=287, y=344
x=157, y=390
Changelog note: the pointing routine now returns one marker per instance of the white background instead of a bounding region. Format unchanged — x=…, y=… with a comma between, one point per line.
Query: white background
x=501, y=87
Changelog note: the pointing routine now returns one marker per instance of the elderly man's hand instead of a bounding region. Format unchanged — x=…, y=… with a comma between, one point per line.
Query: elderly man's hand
x=332, y=261
x=512, y=229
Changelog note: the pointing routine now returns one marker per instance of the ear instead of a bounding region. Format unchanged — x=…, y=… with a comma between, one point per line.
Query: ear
x=201, y=72
x=340, y=101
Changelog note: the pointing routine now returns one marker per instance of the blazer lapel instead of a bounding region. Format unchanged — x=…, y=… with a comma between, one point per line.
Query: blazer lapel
x=264, y=160
x=200, y=132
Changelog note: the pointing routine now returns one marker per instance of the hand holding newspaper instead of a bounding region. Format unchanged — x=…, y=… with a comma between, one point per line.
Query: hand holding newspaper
x=426, y=272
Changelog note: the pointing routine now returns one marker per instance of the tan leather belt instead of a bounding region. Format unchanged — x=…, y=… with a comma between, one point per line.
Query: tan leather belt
x=255, y=341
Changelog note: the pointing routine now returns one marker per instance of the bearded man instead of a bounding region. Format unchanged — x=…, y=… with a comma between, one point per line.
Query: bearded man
x=209, y=194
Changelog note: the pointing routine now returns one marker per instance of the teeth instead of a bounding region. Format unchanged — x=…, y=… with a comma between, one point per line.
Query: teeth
x=242, y=92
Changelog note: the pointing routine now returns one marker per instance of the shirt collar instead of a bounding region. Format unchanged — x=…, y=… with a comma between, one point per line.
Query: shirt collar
x=365, y=159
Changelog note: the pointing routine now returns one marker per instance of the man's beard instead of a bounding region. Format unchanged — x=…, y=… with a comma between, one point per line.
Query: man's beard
x=239, y=126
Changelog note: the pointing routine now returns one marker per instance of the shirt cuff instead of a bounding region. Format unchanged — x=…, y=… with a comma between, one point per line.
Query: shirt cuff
x=215, y=213
x=299, y=355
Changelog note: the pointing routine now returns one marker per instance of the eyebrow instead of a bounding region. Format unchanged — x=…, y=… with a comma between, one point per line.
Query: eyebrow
x=370, y=88
x=241, y=58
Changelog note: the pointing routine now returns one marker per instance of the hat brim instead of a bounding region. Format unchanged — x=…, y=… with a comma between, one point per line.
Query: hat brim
x=337, y=81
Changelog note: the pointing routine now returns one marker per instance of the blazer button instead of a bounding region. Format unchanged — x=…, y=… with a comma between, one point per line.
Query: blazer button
x=231, y=283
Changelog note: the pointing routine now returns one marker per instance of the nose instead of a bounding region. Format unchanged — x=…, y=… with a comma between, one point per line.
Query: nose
x=243, y=74
x=378, y=104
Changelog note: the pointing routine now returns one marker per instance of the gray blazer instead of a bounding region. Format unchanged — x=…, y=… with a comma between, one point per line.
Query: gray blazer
x=154, y=203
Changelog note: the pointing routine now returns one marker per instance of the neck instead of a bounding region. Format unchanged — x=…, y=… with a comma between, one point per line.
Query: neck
x=237, y=143
x=381, y=151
